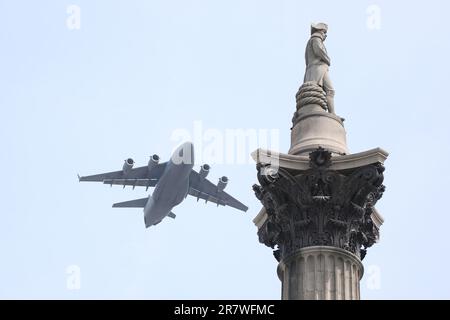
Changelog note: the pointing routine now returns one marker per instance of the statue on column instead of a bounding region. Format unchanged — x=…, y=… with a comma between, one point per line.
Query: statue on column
x=317, y=87
x=318, y=61
x=319, y=215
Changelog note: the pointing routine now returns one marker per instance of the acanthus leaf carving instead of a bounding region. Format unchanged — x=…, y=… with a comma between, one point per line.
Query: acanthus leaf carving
x=319, y=206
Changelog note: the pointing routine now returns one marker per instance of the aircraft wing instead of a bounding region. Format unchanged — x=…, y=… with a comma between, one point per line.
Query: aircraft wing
x=206, y=190
x=135, y=177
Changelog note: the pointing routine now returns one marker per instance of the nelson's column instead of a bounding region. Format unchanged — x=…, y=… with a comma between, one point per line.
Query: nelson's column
x=319, y=199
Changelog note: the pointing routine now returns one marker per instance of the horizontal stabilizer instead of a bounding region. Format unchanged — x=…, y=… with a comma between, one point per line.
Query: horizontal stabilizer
x=138, y=203
x=172, y=215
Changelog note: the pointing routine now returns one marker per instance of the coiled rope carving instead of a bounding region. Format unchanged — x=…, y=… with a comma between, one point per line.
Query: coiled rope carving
x=311, y=93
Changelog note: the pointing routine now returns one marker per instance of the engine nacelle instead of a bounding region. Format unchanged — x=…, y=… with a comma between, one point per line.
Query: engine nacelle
x=204, y=170
x=153, y=162
x=127, y=166
x=222, y=183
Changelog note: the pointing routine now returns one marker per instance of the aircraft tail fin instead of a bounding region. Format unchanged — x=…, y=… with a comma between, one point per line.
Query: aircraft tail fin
x=172, y=215
x=138, y=203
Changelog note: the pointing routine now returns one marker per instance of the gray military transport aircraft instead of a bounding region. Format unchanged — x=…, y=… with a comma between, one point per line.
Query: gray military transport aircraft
x=173, y=181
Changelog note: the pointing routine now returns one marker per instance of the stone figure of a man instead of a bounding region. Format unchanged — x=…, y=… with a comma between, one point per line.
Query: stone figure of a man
x=317, y=62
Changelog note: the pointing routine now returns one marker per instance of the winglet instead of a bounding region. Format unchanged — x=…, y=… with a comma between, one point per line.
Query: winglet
x=79, y=178
x=172, y=215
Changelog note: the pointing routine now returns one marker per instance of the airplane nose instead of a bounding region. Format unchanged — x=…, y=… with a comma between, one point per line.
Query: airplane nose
x=184, y=154
x=190, y=146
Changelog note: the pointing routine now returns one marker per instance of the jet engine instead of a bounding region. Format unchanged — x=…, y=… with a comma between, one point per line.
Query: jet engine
x=204, y=170
x=222, y=183
x=127, y=166
x=154, y=160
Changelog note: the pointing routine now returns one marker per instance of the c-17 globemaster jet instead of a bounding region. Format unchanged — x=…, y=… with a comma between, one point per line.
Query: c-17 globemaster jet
x=173, y=181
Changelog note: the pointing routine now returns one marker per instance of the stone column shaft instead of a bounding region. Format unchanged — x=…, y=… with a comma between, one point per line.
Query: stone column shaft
x=320, y=273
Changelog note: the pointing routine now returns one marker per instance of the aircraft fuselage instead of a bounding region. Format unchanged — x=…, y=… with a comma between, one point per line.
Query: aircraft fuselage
x=172, y=187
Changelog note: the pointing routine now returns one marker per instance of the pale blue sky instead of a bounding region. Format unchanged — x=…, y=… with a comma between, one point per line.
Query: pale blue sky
x=81, y=101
